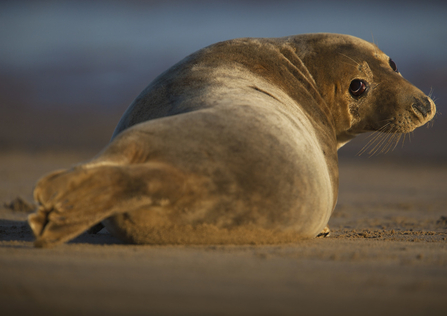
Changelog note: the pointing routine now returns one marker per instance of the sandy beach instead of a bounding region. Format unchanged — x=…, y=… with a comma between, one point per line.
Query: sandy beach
x=69, y=69
x=387, y=254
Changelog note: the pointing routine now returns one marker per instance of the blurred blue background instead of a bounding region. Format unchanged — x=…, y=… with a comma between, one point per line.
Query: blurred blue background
x=69, y=69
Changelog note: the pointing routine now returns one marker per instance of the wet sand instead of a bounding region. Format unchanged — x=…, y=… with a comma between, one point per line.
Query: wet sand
x=387, y=254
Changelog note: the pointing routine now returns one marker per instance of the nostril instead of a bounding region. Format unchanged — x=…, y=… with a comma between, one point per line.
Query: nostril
x=422, y=106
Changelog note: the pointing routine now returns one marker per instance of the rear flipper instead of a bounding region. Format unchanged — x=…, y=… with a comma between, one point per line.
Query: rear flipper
x=71, y=201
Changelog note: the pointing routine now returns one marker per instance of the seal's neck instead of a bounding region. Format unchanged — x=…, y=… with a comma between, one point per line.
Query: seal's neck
x=344, y=138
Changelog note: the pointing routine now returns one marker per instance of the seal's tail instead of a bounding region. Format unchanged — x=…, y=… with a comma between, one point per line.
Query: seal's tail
x=71, y=201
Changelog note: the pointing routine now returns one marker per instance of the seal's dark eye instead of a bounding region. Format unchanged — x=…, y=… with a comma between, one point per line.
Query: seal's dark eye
x=393, y=65
x=357, y=87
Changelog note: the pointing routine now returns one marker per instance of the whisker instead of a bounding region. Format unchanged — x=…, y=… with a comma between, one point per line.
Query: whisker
x=350, y=59
x=371, y=142
x=372, y=134
x=386, y=146
x=374, y=87
x=393, y=138
x=381, y=141
x=379, y=146
x=397, y=141
x=377, y=133
x=375, y=136
x=345, y=62
x=430, y=94
x=373, y=151
x=375, y=45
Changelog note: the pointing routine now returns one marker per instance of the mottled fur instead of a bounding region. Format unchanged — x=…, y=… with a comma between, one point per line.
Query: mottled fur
x=237, y=143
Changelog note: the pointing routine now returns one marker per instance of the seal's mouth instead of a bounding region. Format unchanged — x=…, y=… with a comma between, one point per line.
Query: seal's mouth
x=395, y=129
x=421, y=111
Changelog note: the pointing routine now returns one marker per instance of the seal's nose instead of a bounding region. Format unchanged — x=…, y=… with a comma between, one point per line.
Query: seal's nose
x=422, y=106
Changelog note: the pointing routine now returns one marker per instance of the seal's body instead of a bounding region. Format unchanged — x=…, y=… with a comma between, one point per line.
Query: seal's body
x=237, y=143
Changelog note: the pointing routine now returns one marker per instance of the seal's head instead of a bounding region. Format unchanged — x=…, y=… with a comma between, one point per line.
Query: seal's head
x=363, y=87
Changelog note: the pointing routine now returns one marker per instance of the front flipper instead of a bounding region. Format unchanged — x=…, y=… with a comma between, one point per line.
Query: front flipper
x=326, y=232
x=72, y=201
